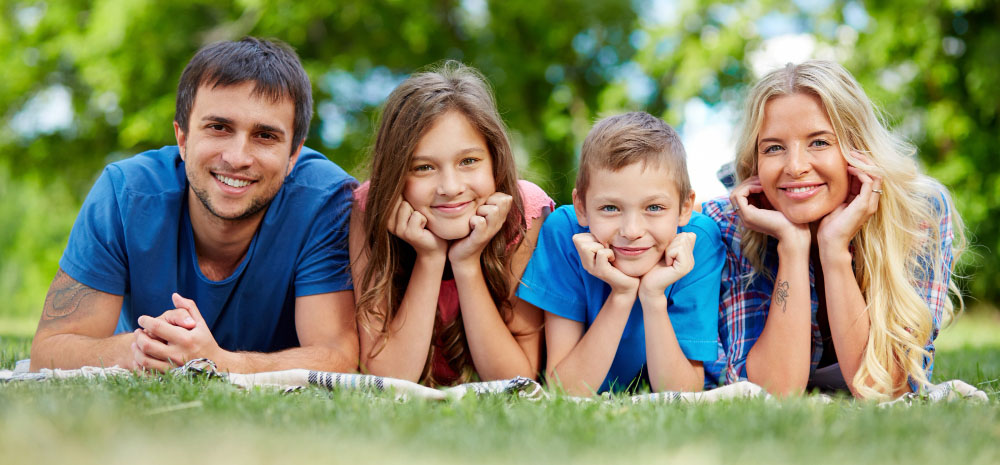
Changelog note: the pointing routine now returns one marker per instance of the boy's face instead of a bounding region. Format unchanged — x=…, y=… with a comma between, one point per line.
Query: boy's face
x=635, y=212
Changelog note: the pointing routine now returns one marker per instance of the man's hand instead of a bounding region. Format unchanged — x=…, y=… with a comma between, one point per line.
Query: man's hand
x=596, y=258
x=174, y=338
x=678, y=260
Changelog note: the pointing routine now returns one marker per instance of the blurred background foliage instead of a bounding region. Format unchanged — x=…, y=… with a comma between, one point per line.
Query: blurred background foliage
x=90, y=82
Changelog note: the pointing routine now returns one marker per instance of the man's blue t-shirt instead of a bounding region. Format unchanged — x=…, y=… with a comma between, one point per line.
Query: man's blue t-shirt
x=133, y=238
x=556, y=282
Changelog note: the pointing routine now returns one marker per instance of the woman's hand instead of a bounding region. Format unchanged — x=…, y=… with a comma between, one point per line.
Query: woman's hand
x=596, y=259
x=678, y=260
x=486, y=223
x=841, y=225
x=411, y=226
x=763, y=219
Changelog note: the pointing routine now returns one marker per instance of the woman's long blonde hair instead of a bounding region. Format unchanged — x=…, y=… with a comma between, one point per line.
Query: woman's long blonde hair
x=897, y=247
x=408, y=113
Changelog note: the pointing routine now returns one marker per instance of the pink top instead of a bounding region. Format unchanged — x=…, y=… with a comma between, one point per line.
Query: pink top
x=535, y=202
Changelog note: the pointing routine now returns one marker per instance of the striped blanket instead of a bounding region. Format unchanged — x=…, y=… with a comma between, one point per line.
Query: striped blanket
x=290, y=380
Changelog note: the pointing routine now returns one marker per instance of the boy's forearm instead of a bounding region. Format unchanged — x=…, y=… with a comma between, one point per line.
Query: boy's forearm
x=582, y=371
x=669, y=369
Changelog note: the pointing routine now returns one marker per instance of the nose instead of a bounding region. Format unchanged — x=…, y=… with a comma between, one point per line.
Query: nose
x=238, y=154
x=450, y=183
x=632, y=226
x=797, y=161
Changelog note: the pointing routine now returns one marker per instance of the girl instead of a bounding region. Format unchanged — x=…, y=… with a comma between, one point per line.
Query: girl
x=440, y=236
x=840, y=252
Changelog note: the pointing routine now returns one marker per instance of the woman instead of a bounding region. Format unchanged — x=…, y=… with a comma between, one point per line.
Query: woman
x=840, y=252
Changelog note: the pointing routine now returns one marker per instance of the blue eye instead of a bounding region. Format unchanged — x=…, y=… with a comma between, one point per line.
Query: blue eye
x=820, y=143
x=607, y=208
x=772, y=149
x=656, y=208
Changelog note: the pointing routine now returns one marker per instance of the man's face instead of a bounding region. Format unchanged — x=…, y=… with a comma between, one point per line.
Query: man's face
x=236, y=150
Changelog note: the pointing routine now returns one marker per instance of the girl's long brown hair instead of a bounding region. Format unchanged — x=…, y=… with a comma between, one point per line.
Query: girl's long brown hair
x=408, y=113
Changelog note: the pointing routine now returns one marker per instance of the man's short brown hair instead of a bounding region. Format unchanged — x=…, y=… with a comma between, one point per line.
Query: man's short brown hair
x=638, y=137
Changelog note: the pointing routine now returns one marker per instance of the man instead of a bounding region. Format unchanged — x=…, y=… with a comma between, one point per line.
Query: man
x=231, y=245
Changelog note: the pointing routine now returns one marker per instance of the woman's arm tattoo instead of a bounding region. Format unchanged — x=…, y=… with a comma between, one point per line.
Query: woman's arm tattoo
x=781, y=294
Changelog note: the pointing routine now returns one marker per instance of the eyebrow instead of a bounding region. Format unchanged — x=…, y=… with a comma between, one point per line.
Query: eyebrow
x=465, y=151
x=810, y=135
x=656, y=197
x=257, y=127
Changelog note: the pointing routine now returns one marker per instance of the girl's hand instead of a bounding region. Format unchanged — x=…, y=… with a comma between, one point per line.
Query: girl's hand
x=841, y=225
x=596, y=259
x=678, y=260
x=764, y=219
x=486, y=223
x=411, y=226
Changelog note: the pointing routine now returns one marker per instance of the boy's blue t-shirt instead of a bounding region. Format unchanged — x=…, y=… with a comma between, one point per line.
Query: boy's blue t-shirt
x=556, y=282
x=133, y=238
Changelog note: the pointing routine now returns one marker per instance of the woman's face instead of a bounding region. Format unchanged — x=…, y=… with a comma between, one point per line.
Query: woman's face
x=799, y=162
x=450, y=175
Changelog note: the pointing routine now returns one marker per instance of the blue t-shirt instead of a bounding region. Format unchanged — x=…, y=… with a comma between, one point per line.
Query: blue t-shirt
x=133, y=238
x=556, y=282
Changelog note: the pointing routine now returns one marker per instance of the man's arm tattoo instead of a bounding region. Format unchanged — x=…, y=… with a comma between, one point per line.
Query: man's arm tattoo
x=781, y=294
x=65, y=297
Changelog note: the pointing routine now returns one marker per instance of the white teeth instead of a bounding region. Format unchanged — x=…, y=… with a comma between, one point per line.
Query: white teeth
x=800, y=189
x=231, y=182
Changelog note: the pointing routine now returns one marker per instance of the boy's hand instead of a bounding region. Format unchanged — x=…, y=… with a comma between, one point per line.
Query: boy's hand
x=678, y=260
x=596, y=259
x=486, y=223
x=411, y=226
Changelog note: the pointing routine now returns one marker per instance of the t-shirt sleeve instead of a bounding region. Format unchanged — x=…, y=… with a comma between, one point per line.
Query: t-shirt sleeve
x=535, y=200
x=325, y=262
x=694, y=299
x=95, y=254
x=552, y=281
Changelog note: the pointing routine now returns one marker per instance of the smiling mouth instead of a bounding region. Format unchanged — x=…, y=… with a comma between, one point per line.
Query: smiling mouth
x=232, y=182
x=630, y=251
x=451, y=207
x=801, y=192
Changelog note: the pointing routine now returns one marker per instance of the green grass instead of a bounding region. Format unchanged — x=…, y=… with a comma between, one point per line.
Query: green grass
x=180, y=421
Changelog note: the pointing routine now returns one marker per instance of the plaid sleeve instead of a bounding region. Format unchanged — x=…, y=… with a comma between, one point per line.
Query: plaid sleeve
x=742, y=309
x=935, y=273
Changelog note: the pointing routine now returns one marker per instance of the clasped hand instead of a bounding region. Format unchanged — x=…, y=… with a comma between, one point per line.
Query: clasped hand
x=173, y=338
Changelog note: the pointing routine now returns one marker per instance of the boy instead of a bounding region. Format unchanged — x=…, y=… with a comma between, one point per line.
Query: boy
x=609, y=270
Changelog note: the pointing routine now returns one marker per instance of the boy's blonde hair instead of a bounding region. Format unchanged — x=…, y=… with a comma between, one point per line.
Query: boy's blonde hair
x=638, y=137
x=898, y=247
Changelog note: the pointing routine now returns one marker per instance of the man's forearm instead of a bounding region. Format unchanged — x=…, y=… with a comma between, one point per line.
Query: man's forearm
x=319, y=358
x=74, y=351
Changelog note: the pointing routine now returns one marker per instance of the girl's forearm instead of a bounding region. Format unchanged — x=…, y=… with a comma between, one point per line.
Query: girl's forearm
x=780, y=359
x=669, y=369
x=409, y=337
x=494, y=350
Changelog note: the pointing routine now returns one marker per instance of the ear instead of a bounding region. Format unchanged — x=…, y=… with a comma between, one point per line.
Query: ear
x=295, y=157
x=581, y=211
x=181, y=137
x=687, y=205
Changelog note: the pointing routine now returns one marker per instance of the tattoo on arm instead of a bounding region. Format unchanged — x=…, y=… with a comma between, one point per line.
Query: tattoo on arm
x=65, y=297
x=781, y=294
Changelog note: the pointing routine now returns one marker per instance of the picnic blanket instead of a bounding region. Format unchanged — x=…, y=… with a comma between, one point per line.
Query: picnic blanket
x=291, y=380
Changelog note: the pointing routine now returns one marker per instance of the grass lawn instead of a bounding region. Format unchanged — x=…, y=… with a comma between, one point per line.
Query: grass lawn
x=182, y=421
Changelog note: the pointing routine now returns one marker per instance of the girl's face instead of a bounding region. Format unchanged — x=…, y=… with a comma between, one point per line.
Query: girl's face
x=450, y=175
x=799, y=162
